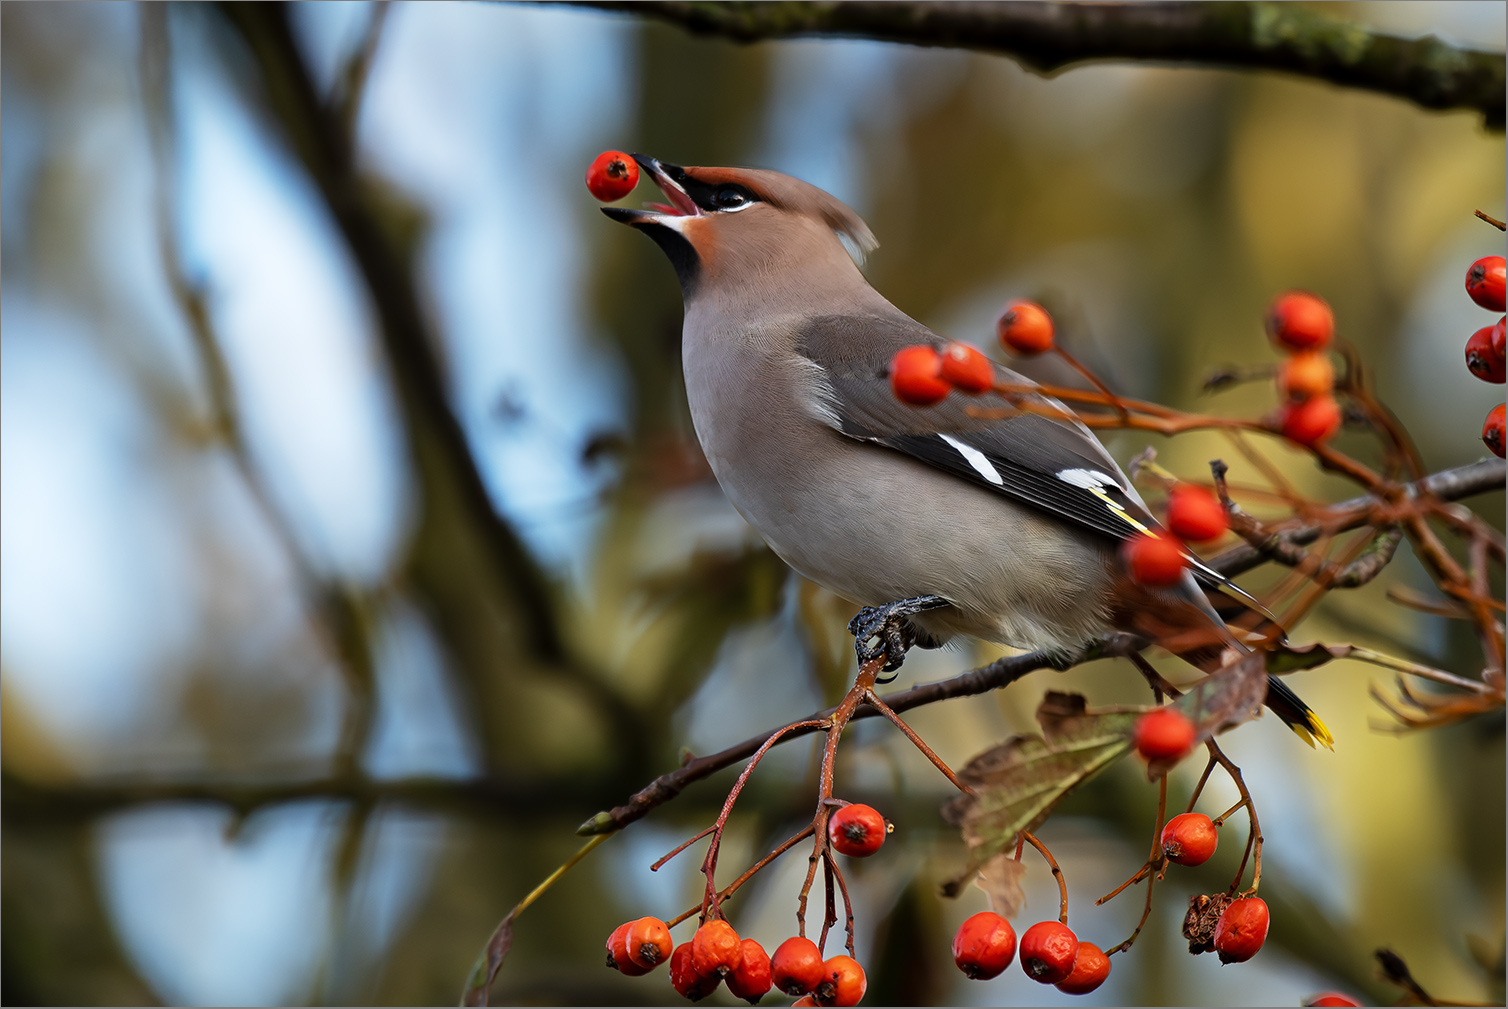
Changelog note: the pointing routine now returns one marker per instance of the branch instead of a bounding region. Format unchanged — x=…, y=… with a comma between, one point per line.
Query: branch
x=1047, y=37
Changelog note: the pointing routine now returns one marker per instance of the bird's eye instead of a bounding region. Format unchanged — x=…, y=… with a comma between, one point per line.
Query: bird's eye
x=730, y=198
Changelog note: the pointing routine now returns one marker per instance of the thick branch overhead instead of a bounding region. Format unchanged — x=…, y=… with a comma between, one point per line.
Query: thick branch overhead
x=1050, y=36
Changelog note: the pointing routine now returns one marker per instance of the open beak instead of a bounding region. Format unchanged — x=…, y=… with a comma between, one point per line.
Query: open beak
x=671, y=180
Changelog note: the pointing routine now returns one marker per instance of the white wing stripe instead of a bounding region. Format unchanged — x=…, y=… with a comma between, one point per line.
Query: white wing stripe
x=976, y=459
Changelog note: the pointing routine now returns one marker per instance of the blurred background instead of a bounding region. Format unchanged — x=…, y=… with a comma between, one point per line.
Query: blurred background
x=287, y=718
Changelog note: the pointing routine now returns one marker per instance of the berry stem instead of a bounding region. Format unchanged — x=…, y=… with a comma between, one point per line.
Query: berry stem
x=1199, y=788
x=847, y=903
x=874, y=701
x=1253, y=849
x=1094, y=379
x=1031, y=839
x=732, y=887
x=830, y=897
x=682, y=847
x=1157, y=860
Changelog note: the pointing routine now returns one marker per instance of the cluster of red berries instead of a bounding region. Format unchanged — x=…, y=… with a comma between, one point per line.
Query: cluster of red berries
x=1194, y=516
x=715, y=954
x=985, y=945
x=612, y=176
x=923, y=375
x=1302, y=326
x=1485, y=351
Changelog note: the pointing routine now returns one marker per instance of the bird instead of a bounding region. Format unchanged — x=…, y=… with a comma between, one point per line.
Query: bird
x=956, y=520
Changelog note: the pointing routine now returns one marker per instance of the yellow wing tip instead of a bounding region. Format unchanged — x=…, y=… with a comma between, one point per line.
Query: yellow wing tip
x=1315, y=730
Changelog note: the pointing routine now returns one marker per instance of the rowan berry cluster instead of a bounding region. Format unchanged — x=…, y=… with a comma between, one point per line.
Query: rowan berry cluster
x=1484, y=349
x=1302, y=325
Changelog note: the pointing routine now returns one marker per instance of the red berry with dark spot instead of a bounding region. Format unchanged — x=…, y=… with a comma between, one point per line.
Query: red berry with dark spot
x=1047, y=951
x=1153, y=559
x=1499, y=334
x=1195, y=514
x=1298, y=320
x=843, y=982
x=1090, y=969
x=612, y=176
x=1164, y=734
x=916, y=376
x=617, y=952
x=966, y=369
x=1190, y=839
x=1241, y=930
x=796, y=967
x=1306, y=374
x=685, y=979
x=857, y=830
x=1332, y=998
x=648, y=942
x=1481, y=359
x=1493, y=434
x=1311, y=421
x=751, y=978
x=984, y=946
x=1485, y=281
x=1025, y=327
x=716, y=949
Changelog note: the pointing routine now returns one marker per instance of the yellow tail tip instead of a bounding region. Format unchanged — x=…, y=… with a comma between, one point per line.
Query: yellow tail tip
x=1315, y=730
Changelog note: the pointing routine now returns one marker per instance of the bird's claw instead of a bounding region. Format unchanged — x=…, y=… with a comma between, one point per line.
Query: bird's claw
x=887, y=626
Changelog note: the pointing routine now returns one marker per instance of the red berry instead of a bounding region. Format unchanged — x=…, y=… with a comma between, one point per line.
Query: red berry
x=1190, y=839
x=915, y=376
x=805, y=1000
x=842, y=983
x=716, y=949
x=1300, y=321
x=1090, y=969
x=685, y=979
x=1484, y=282
x=1305, y=374
x=1164, y=734
x=1195, y=514
x=967, y=370
x=857, y=830
x=1153, y=559
x=1493, y=435
x=984, y=946
x=1310, y=422
x=1047, y=951
x=1025, y=327
x=648, y=942
x=1499, y=334
x=612, y=176
x=617, y=952
x=1481, y=359
x=1241, y=930
x=751, y=978
x=796, y=967
x=1331, y=998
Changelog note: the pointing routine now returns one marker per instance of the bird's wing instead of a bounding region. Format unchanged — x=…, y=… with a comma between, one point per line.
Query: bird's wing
x=1052, y=462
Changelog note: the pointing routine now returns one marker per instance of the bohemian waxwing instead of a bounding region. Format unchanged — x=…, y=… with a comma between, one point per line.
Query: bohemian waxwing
x=937, y=521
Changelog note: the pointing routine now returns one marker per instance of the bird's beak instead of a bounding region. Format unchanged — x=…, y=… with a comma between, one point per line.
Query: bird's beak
x=672, y=182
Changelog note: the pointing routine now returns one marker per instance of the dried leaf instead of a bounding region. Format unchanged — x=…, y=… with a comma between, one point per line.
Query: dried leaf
x=1000, y=878
x=1291, y=658
x=1202, y=917
x=489, y=963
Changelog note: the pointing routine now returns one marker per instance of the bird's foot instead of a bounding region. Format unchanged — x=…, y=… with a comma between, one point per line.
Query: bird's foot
x=887, y=626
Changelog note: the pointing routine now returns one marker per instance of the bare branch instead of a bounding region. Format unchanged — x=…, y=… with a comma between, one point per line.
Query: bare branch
x=1285, y=37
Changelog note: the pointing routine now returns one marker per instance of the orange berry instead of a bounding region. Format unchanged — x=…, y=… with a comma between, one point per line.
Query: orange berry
x=1241, y=930
x=1481, y=360
x=1485, y=282
x=1190, y=839
x=751, y=978
x=796, y=967
x=617, y=952
x=612, y=176
x=1048, y=949
x=1090, y=969
x=966, y=369
x=648, y=942
x=1310, y=422
x=1499, y=334
x=1332, y=998
x=1164, y=734
x=716, y=949
x=1025, y=327
x=1297, y=320
x=685, y=979
x=843, y=982
x=915, y=376
x=984, y=946
x=1153, y=559
x=857, y=830
x=1493, y=435
x=1305, y=374
x=1195, y=514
